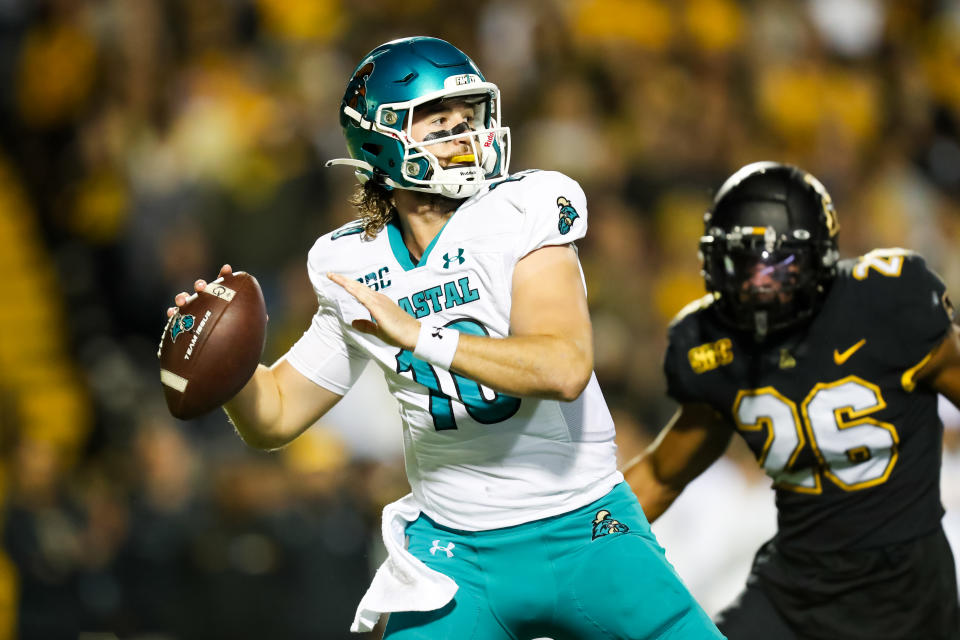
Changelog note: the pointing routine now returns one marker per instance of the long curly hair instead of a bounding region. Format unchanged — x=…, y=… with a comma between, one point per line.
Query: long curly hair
x=375, y=205
x=377, y=208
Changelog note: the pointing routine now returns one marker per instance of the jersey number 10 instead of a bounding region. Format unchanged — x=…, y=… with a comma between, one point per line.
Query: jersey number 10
x=485, y=410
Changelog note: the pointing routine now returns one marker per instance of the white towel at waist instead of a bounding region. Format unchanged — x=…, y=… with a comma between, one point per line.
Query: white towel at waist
x=402, y=583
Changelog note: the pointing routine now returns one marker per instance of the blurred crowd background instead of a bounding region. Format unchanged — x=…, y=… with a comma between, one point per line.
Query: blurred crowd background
x=143, y=143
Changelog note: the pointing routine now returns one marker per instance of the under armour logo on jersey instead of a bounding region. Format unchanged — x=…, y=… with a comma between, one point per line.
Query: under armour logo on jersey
x=447, y=259
x=604, y=525
x=567, y=215
x=179, y=325
x=447, y=549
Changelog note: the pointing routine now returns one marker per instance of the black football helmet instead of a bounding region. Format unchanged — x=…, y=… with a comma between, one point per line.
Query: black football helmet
x=769, y=248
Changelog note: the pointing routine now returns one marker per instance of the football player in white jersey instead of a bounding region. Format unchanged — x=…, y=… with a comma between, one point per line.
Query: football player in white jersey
x=462, y=283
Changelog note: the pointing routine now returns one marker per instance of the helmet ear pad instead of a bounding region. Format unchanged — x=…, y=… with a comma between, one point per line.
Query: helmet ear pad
x=776, y=221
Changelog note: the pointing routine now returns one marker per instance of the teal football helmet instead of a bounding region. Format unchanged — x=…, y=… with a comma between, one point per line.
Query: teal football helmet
x=376, y=114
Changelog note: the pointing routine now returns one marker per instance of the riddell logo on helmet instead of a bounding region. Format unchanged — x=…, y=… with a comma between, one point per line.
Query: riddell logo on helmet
x=489, y=140
x=461, y=80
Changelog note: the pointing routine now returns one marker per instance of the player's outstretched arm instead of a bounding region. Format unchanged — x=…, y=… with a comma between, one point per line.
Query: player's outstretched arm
x=277, y=404
x=942, y=370
x=693, y=439
x=549, y=352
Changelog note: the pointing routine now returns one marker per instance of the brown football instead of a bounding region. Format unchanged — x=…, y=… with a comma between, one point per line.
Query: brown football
x=212, y=345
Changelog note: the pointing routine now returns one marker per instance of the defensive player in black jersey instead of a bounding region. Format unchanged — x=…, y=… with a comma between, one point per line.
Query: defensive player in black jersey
x=829, y=369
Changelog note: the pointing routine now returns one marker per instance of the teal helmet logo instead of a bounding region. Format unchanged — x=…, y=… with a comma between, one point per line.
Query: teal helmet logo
x=376, y=115
x=356, y=95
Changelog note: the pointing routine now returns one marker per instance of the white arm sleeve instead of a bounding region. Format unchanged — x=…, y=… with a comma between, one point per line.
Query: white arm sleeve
x=554, y=210
x=325, y=355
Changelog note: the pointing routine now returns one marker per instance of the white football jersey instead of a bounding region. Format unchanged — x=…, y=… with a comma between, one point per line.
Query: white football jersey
x=476, y=459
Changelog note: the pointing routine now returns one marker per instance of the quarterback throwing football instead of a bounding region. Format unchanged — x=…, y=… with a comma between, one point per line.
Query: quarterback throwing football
x=462, y=283
x=829, y=369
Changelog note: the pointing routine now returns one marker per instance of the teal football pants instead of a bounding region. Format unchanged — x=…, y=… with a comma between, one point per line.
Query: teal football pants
x=597, y=572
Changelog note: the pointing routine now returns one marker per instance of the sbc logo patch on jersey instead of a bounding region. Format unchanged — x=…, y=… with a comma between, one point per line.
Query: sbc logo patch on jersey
x=567, y=215
x=709, y=356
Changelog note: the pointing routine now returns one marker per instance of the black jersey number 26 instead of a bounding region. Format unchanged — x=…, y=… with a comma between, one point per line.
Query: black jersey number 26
x=854, y=450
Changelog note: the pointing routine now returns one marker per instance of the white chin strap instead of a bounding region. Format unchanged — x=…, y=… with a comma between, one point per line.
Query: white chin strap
x=456, y=182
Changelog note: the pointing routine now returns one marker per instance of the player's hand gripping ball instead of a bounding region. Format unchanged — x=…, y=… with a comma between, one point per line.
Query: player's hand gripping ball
x=212, y=345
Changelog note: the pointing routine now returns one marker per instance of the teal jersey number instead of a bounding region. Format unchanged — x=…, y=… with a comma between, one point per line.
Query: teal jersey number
x=481, y=409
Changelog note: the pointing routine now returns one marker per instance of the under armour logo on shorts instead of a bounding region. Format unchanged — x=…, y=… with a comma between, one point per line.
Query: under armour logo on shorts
x=447, y=549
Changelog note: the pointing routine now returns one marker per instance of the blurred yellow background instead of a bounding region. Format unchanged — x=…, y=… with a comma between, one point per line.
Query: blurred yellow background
x=143, y=143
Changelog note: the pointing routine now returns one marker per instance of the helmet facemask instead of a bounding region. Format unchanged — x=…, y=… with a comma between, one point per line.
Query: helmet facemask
x=484, y=152
x=767, y=282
